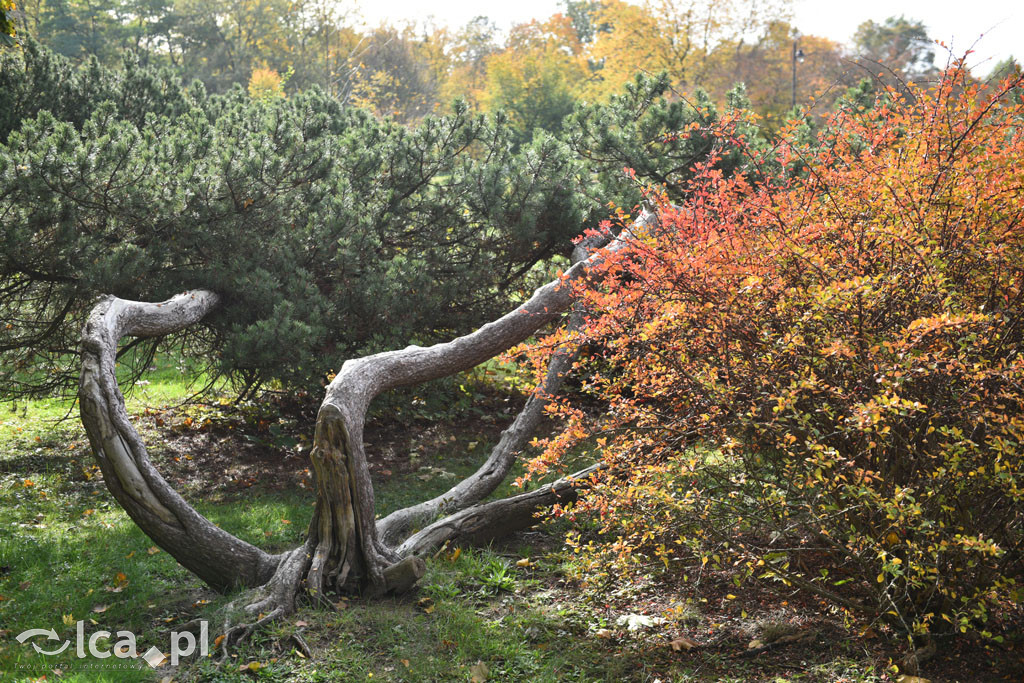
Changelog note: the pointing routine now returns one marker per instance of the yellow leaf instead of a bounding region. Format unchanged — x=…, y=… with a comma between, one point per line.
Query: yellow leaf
x=68, y=619
x=153, y=550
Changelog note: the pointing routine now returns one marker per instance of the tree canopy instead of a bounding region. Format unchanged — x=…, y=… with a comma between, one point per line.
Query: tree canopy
x=327, y=232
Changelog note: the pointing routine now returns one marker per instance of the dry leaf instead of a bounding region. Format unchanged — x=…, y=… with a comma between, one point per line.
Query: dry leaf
x=100, y=609
x=604, y=633
x=301, y=623
x=24, y=585
x=525, y=562
x=153, y=550
x=912, y=679
x=218, y=640
x=68, y=619
x=479, y=672
x=682, y=643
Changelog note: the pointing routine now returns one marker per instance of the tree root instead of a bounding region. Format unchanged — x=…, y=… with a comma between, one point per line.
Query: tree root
x=277, y=599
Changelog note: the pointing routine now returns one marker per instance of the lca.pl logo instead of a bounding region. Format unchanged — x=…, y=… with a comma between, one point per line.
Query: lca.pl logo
x=183, y=644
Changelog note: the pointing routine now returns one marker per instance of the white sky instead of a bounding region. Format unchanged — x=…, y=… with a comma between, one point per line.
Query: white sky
x=999, y=23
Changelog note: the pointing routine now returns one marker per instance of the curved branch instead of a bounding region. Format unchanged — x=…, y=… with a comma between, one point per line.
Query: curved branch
x=217, y=557
x=481, y=524
x=474, y=488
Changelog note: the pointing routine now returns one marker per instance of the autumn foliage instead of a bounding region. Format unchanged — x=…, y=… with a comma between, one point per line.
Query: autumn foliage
x=810, y=373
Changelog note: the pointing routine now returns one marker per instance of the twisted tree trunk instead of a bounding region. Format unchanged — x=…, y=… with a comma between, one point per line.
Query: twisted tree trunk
x=346, y=549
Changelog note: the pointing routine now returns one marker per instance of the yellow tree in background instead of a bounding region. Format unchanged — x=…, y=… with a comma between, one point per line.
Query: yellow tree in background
x=538, y=78
x=766, y=66
x=674, y=36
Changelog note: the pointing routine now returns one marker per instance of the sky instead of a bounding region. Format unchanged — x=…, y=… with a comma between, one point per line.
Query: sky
x=998, y=23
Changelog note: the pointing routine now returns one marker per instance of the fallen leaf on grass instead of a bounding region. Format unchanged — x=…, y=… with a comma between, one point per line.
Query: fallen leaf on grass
x=24, y=585
x=152, y=550
x=252, y=666
x=682, y=643
x=479, y=672
x=525, y=562
x=100, y=609
x=301, y=623
x=604, y=633
x=68, y=619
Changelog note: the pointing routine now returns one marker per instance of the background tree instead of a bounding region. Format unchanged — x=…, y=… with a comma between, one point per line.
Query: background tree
x=897, y=43
x=536, y=79
x=7, y=30
x=765, y=67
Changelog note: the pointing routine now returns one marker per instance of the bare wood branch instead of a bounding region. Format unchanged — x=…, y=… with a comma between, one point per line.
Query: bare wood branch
x=217, y=557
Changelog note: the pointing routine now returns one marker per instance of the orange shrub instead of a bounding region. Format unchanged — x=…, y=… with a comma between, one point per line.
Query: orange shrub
x=812, y=369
